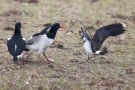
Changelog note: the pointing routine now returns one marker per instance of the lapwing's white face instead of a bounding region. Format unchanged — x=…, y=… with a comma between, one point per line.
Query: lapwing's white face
x=84, y=38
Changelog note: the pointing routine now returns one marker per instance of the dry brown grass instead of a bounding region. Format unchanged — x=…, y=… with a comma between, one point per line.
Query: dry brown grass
x=115, y=70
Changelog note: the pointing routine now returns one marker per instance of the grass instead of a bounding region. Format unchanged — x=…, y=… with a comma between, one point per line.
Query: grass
x=115, y=70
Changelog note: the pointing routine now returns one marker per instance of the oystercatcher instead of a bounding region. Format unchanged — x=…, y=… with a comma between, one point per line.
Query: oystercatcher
x=16, y=44
x=41, y=41
x=92, y=45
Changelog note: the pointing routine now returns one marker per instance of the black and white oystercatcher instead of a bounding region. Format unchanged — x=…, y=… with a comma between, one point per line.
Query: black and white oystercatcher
x=92, y=45
x=16, y=44
x=41, y=41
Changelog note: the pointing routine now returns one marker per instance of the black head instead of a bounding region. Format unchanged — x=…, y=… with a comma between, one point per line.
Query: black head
x=53, y=30
x=17, y=28
x=18, y=25
x=85, y=35
x=55, y=27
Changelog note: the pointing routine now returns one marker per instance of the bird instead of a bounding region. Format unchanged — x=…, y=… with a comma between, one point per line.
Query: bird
x=16, y=44
x=41, y=41
x=93, y=44
x=42, y=32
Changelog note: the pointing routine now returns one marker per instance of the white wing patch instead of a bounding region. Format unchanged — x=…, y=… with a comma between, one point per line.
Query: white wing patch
x=30, y=37
x=9, y=39
x=24, y=39
x=124, y=25
x=15, y=47
x=97, y=52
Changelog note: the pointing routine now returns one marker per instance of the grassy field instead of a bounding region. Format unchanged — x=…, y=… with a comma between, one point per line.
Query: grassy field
x=70, y=71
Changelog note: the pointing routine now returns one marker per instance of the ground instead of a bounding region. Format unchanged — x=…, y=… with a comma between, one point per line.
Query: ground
x=71, y=70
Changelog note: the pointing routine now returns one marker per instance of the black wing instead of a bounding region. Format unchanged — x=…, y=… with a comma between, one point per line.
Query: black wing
x=106, y=31
x=20, y=45
x=118, y=25
x=44, y=31
x=33, y=39
x=99, y=37
x=37, y=36
x=115, y=29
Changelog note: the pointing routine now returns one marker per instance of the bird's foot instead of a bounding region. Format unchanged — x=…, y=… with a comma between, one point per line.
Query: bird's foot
x=39, y=62
x=50, y=60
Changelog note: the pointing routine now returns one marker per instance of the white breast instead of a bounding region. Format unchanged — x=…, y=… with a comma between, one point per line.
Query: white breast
x=87, y=47
x=41, y=44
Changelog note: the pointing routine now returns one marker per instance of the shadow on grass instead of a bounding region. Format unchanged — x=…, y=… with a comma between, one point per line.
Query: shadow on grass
x=124, y=17
x=28, y=1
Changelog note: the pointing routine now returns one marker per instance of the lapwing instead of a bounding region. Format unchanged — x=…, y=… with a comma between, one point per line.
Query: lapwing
x=16, y=44
x=41, y=41
x=93, y=44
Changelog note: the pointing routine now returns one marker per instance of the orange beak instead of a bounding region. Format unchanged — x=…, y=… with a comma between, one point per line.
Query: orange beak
x=22, y=26
x=62, y=26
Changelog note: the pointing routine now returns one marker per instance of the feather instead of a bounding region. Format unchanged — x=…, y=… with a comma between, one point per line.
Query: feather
x=106, y=31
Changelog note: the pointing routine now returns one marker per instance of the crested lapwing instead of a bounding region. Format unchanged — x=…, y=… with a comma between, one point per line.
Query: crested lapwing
x=16, y=44
x=92, y=45
x=41, y=41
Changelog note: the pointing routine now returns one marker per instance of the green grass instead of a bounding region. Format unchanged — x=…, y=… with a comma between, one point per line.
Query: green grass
x=108, y=72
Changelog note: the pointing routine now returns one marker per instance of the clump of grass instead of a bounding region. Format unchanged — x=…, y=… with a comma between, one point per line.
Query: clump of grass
x=8, y=28
x=29, y=1
x=33, y=1
x=12, y=12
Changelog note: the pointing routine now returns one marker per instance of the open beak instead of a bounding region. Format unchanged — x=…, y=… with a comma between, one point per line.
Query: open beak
x=62, y=26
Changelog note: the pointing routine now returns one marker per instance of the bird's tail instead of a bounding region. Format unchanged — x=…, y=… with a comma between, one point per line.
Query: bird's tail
x=15, y=58
x=26, y=49
x=117, y=29
x=103, y=52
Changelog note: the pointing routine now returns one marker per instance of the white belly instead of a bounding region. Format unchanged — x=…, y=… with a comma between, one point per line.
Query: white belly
x=87, y=47
x=41, y=44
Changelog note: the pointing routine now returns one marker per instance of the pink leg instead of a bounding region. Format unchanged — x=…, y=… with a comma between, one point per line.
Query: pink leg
x=14, y=64
x=47, y=58
x=20, y=61
x=89, y=57
x=39, y=58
